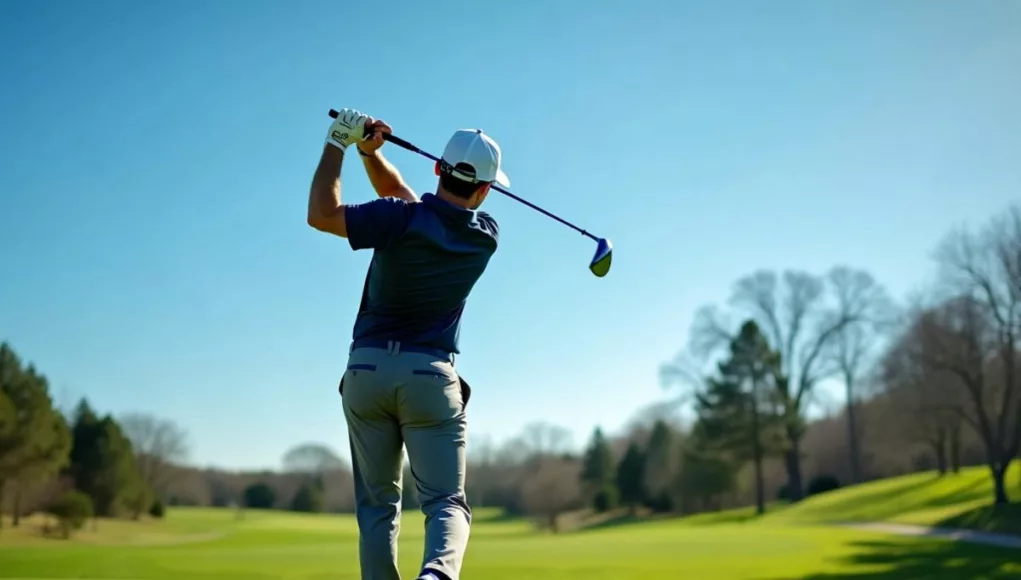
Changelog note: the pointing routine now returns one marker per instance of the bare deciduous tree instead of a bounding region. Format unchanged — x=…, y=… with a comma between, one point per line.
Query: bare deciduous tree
x=312, y=459
x=801, y=319
x=551, y=488
x=320, y=467
x=160, y=446
x=958, y=339
x=849, y=352
x=481, y=459
x=921, y=404
x=541, y=438
x=973, y=334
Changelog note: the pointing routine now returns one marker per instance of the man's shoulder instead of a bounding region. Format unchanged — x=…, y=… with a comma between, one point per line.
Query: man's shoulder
x=393, y=202
x=377, y=223
x=385, y=205
x=488, y=224
x=395, y=210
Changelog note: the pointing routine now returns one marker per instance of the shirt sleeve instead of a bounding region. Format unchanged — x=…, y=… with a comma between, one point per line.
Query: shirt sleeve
x=488, y=225
x=378, y=223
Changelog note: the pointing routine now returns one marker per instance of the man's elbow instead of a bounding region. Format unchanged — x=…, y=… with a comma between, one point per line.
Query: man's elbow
x=321, y=224
x=335, y=224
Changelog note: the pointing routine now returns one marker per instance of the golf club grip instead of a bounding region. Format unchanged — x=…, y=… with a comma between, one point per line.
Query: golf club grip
x=387, y=137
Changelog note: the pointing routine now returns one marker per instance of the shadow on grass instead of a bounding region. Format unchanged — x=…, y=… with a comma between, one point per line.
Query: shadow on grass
x=925, y=560
x=886, y=495
x=1001, y=519
x=958, y=496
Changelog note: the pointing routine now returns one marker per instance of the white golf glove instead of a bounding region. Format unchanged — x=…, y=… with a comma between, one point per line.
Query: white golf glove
x=347, y=128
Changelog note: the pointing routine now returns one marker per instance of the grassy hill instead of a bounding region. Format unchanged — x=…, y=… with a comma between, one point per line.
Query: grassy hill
x=955, y=500
x=924, y=499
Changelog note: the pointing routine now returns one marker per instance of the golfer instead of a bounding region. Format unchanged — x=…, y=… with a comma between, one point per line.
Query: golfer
x=401, y=387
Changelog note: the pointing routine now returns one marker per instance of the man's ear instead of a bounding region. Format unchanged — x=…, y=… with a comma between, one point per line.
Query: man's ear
x=437, y=168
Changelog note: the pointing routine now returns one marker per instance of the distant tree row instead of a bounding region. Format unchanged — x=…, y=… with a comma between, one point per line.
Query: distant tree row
x=85, y=465
x=311, y=466
x=929, y=384
x=645, y=476
x=81, y=466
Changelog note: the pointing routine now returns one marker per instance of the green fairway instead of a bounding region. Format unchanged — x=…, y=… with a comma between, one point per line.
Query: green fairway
x=204, y=543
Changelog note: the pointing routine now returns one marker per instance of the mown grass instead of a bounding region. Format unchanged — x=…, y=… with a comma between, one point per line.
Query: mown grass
x=788, y=543
x=290, y=546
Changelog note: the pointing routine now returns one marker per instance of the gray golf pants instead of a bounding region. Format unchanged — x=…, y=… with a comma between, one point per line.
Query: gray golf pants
x=394, y=399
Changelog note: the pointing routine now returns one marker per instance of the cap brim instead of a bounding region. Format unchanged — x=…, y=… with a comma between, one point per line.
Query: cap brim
x=501, y=178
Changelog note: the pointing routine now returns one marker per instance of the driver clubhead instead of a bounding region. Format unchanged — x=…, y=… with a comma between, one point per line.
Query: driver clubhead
x=600, y=264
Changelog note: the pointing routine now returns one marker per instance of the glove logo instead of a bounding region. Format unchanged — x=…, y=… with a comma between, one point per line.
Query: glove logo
x=337, y=135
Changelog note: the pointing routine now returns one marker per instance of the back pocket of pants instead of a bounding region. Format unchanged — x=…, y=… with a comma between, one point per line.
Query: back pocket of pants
x=447, y=378
x=430, y=373
x=354, y=368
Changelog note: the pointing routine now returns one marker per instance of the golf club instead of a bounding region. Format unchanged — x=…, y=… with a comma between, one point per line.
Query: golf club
x=600, y=263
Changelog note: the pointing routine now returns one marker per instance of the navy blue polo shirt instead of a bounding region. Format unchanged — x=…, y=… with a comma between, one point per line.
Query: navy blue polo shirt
x=426, y=259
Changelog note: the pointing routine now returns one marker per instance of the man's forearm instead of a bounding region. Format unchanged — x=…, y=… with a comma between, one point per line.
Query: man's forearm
x=324, y=195
x=385, y=178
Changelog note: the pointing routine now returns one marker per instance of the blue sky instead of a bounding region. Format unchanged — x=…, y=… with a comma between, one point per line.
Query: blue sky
x=155, y=161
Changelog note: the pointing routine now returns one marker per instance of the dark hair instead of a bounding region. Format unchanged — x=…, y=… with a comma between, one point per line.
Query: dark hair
x=459, y=187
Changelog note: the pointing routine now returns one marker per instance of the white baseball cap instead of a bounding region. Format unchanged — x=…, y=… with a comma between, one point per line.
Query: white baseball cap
x=476, y=149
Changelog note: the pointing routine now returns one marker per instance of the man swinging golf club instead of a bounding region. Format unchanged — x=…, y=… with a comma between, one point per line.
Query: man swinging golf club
x=400, y=387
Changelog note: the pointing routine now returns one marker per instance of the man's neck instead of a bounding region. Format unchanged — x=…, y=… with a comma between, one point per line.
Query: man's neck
x=458, y=201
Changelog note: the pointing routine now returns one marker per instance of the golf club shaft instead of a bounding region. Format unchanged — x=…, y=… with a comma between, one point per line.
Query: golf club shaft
x=410, y=147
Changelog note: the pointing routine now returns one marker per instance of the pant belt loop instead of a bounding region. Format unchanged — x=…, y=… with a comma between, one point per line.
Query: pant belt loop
x=389, y=347
x=397, y=347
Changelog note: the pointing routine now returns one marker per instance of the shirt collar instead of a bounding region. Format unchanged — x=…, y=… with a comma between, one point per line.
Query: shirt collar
x=445, y=207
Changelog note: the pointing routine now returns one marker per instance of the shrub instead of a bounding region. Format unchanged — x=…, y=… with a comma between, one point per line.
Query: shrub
x=822, y=484
x=784, y=493
x=606, y=499
x=660, y=503
x=71, y=509
x=157, y=510
x=308, y=499
x=137, y=500
x=260, y=495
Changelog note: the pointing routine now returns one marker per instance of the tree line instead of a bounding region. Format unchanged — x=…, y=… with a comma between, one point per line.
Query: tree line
x=84, y=465
x=928, y=383
x=945, y=363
